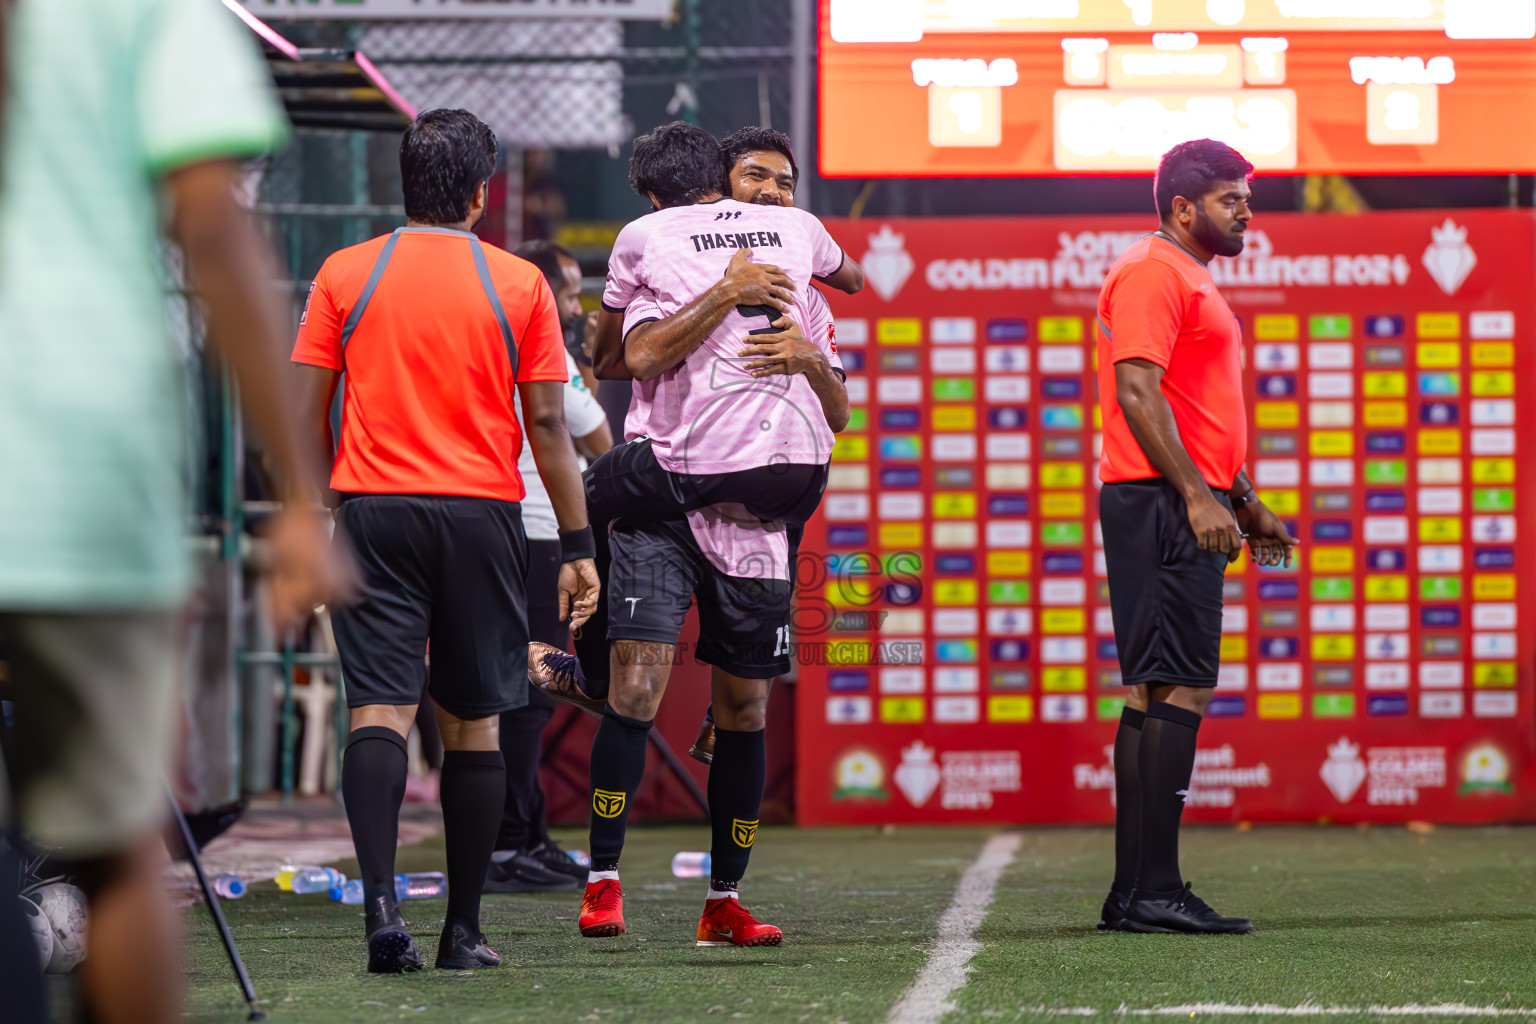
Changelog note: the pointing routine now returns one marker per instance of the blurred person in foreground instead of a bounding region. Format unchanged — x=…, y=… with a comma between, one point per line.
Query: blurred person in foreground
x=435, y=333
x=526, y=858
x=120, y=117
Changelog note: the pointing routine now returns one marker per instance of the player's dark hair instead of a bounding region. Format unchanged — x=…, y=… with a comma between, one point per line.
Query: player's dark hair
x=444, y=157
x=545, y=255
x=678, y=163
x=1191, y=168
x=757, y=139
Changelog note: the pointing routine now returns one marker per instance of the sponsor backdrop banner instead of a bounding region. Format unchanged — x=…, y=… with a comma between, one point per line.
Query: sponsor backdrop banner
x=953, y=619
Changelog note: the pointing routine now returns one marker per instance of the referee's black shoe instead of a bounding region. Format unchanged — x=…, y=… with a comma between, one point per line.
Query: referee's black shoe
x=390, y=948
x=1182, y=911
x=1113, y=914
x=519, y=871
x=463, y=949
x=552, y=857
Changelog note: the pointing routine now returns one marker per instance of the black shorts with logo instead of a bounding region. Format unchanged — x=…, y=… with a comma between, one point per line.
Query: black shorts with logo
x=443, y=570
x=657, y=571
x=1164, y=592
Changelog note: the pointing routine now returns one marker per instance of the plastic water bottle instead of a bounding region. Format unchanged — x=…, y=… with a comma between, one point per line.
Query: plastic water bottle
x=690, y=865
x=310, y=879
x=421, y=885
x=581, y=857
x=350, y=894
x=229, y=885
x=284, y=877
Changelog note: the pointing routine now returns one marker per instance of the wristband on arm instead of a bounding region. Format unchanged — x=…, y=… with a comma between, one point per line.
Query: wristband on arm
x=1238, y=503
x=577, y=544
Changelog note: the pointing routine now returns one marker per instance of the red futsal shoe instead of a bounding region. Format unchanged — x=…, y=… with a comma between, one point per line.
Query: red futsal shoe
x=602, y=909
x=727, y=923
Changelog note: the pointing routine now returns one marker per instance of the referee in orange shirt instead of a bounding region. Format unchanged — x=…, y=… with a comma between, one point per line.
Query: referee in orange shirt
x=429, y=332
x=1174, y=510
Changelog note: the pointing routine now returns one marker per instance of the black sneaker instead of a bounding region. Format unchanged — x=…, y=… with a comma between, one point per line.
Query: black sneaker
x=517, y=871
x=552, y=858
x=460, y=949
x=1181, y=912
x=1113, y=914
x=559, y=675
x=390, y=948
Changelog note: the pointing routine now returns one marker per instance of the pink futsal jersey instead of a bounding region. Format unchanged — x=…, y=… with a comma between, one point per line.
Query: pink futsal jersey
x=707, y=415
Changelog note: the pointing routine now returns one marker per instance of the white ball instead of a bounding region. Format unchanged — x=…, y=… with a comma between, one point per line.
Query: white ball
x=64, y=907
x=42, y=932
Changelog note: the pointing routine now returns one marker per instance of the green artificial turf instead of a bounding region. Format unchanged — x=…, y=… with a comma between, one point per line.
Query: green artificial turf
x=1344, y=917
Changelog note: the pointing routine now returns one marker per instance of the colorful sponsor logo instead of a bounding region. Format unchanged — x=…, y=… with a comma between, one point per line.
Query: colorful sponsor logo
x=848, y=536
x=1064, y=563
x=1007, y=329
x=1386, y=501
x=1008, y=651
x=1276, y=385
x=1493, y=558
x=1008, y=417
x=954, y=564
x=1386, y=441
x=848, y=682
x=1061, y=387
x=1441, y=616
x=1386, y=705
x=1485, y=769
x=901, y=419
x=1278, y=590
x=901, y=448
x=859, y=774
x=1383, y=325
x=1332, y=529
x=1227, y=707
x=1008, y=504
x=1386, y=559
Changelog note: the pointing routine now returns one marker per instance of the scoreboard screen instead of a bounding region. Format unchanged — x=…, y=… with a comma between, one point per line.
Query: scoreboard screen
x=958, y=661
x=914, y=88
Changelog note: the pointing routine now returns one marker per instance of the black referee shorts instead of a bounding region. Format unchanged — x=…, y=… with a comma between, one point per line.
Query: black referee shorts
x=1164, y=592
x=443, y=570
x=658, y=570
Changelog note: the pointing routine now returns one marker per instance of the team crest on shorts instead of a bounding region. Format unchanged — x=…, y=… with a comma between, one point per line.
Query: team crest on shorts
x=743, y=832
x=608, y=804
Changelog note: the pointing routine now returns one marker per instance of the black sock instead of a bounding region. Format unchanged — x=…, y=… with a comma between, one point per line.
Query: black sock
x=473, y=789
x=736, y=780
x=1127, y=800
x=618, y=765
x=1166, y=761
x=372, y=787
x=522, y=817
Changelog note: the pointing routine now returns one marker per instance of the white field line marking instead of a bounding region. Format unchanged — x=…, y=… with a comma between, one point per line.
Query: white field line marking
x=950, y=962
x=1301, y=1010
x=1315, y=1010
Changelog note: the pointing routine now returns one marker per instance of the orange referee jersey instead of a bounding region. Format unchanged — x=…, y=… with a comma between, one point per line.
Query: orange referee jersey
x=429, y=362
x=1160, y=304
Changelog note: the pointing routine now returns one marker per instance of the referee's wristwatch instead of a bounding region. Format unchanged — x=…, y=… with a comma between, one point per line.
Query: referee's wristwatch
x=577, y=544
x=1239, y=503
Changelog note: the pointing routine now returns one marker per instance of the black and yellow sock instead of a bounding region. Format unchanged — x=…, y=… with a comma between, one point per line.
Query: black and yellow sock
x=736, y=780
x=618, y=765
x=1167, y=762
x=373, y=774
x=1127, y=800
